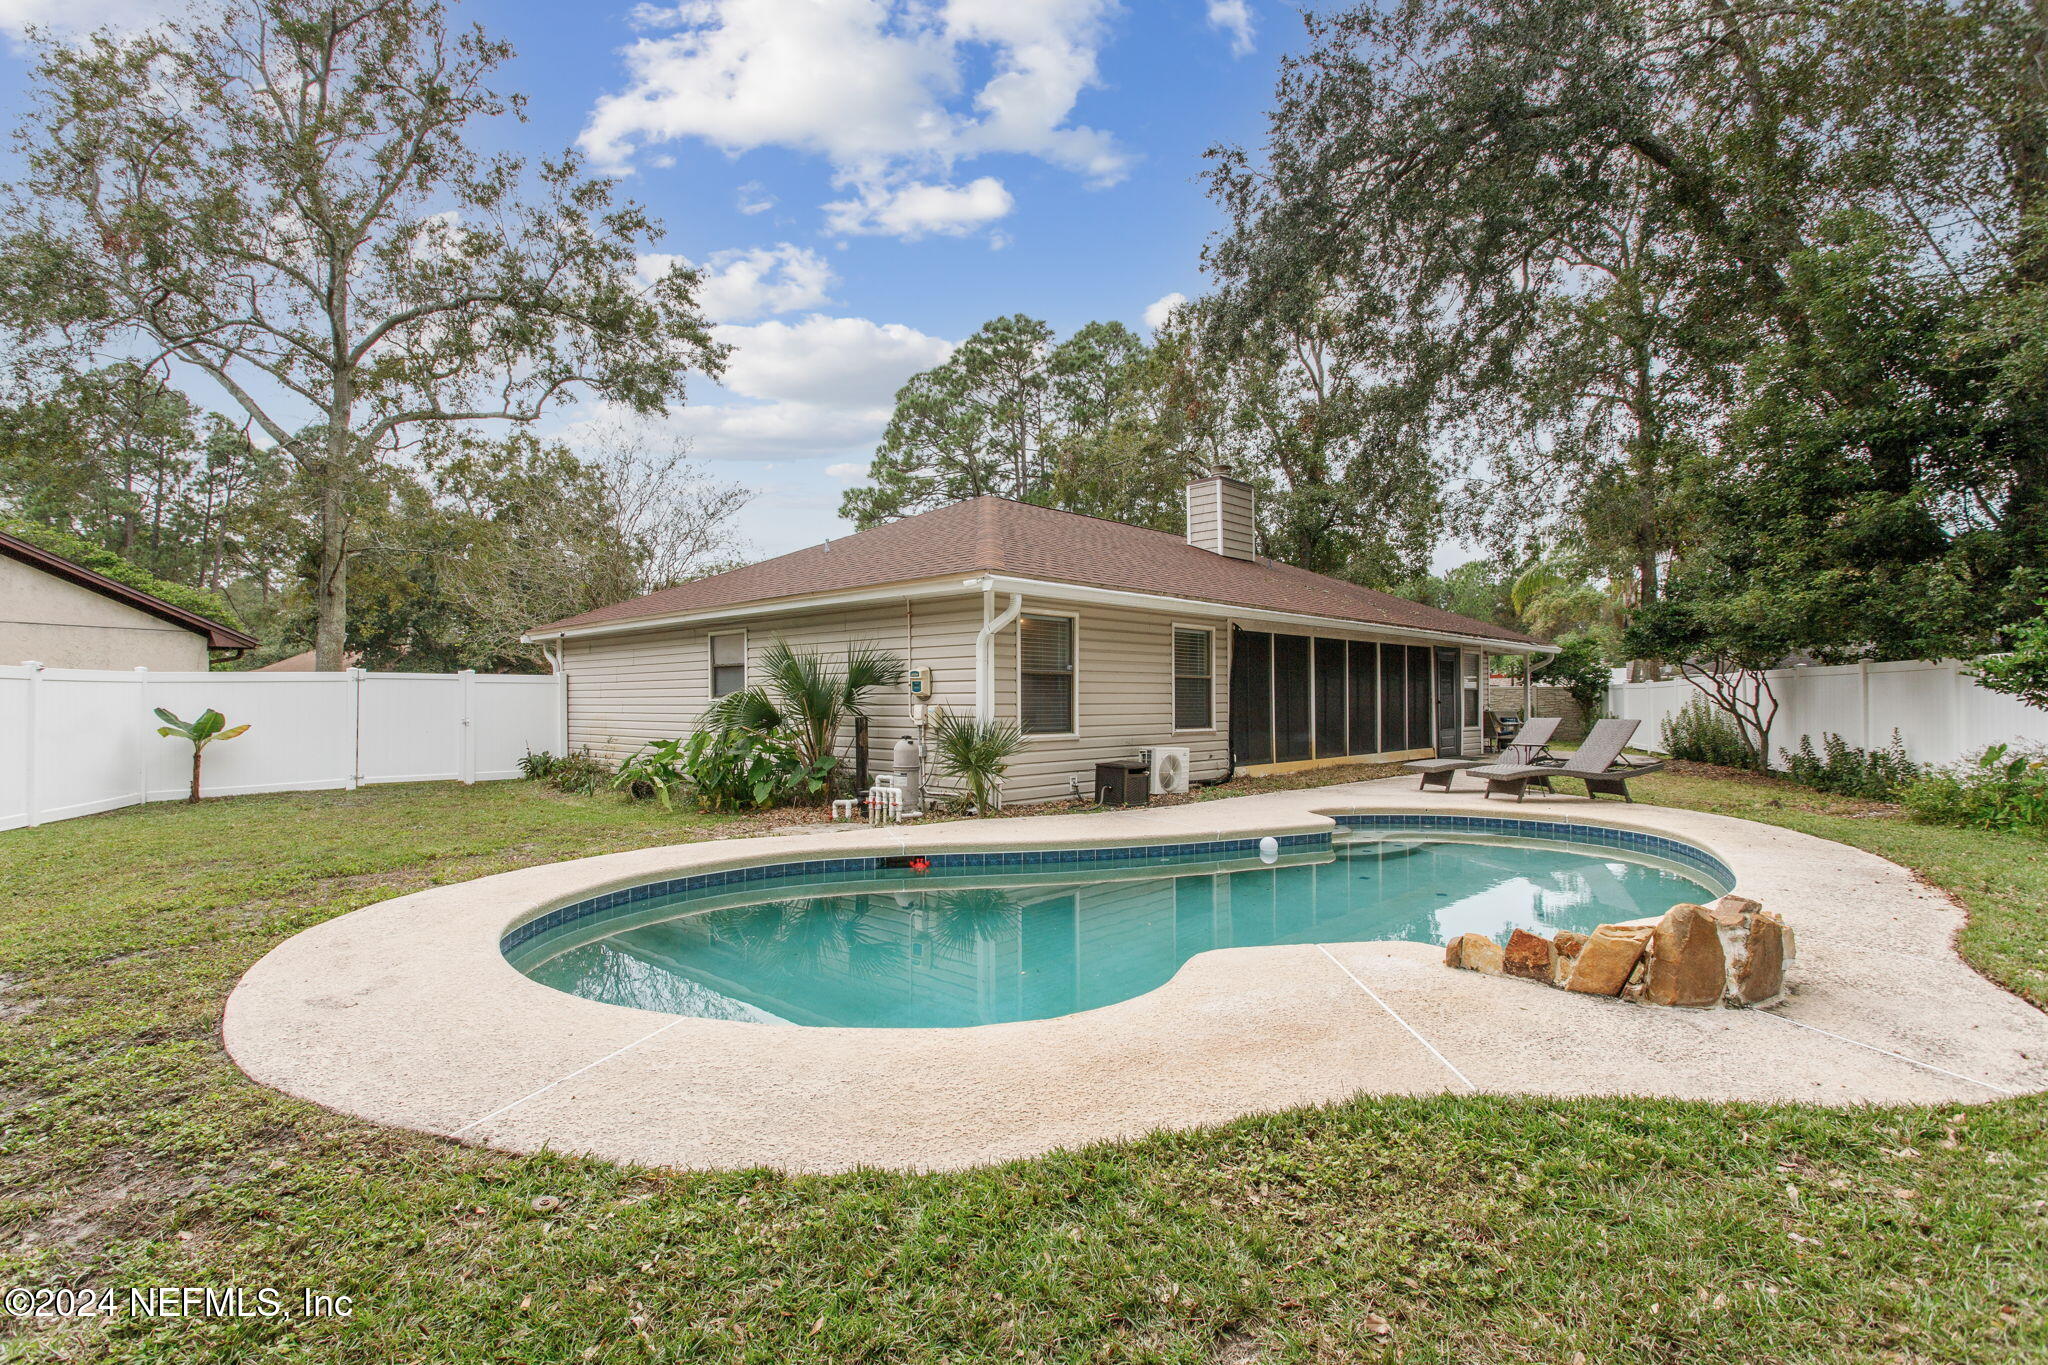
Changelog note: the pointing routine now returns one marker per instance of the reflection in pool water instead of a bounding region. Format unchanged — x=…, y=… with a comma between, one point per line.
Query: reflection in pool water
x=898, y=952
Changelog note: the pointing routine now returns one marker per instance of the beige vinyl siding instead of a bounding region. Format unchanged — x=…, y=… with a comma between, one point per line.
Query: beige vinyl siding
x=627, y=689
x=1123, y=700
x=1222, y=518
x=630, y=688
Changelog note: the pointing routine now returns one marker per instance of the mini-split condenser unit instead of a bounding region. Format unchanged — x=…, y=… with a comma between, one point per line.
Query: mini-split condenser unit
x=1169, y=764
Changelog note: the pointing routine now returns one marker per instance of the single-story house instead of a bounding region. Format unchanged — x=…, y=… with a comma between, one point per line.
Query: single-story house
x=64, y=615
x=1098, y=639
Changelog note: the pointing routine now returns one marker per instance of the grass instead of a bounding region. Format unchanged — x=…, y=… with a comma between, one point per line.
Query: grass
x=1452, y=1229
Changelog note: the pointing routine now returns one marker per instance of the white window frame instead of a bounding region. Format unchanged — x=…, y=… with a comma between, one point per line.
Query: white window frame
x=1173, y=679
x=711, y=664
x=1017, y=636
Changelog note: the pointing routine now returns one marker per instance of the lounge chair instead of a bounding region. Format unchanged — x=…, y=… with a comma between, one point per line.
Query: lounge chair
x=1527, y=748
x=1599, y=763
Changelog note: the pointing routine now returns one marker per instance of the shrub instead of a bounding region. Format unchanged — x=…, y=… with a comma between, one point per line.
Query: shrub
x=799, y=695
x=1699, y=733
x=2003, y=788
x=1842, y=768
x=535, y=766
x=734, y=768
x=975, y=753
x=654, y=772
x=579, y=774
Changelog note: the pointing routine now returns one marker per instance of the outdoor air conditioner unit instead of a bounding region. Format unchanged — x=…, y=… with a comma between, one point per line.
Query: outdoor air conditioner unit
x=1169, y=768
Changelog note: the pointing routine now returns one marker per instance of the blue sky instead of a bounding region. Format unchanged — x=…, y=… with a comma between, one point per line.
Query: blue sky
x=866, y=181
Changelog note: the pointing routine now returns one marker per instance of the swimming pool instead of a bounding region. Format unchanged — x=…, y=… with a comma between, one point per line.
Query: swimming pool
x=983, y=939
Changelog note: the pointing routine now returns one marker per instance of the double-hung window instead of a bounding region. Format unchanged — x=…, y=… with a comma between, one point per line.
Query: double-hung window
x=1045, y=664
x=1193, y=678
x=728, y=663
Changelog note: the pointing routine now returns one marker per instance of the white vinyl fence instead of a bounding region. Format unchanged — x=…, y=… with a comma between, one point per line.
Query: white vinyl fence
x=1939, y=710
x=77, y=741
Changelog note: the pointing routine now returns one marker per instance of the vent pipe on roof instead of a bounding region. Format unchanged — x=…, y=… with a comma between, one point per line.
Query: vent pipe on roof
x=1223, y=517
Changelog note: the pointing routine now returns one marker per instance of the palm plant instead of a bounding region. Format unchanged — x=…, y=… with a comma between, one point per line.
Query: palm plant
x=804, y=694
x=200, y=733
x=977, y=753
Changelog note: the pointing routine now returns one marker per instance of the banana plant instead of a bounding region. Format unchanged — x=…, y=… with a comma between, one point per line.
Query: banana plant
x=201, y=733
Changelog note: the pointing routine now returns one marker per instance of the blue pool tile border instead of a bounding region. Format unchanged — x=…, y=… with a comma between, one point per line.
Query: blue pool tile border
x=1154, y=855
x=711, y=882
x=1677, y=850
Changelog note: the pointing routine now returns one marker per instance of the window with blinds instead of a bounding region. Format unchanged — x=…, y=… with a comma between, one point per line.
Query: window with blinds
x=1193, y=686
x=1045, y=660
x=728, y=663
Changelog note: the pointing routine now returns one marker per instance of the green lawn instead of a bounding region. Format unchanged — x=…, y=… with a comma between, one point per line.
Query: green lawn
x=132, y=1153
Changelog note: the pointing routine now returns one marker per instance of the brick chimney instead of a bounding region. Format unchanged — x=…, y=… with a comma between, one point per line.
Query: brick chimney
x=1223, y=517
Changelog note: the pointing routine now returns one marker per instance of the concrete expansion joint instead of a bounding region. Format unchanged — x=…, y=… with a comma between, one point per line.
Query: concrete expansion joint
x=1396, y=1016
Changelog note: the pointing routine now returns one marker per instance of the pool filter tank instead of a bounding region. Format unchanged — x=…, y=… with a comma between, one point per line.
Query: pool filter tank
x=908, y=767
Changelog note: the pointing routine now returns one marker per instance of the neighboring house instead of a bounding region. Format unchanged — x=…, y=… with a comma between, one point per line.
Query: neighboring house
x=64, y=615
x=1097, y=638
x=302, y=662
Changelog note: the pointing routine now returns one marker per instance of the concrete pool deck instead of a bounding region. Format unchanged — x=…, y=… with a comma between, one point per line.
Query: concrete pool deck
x=407, y=1013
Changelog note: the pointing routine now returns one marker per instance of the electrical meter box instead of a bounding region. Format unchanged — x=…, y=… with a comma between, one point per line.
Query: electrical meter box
x=920, y=683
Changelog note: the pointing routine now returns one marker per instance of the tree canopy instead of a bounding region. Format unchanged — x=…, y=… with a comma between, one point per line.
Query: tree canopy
x=281, y=197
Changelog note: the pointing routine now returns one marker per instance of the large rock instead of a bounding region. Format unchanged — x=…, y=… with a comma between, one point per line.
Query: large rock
x=1474, y=952
x=1756, y=970
x=1530, y=956
x=1611, y=953
x=1688, y=967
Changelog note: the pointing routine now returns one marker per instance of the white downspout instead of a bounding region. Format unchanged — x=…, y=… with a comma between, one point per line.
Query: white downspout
x=985, y=648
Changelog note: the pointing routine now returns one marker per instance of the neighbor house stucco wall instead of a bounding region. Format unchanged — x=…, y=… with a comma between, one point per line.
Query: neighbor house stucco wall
x=63, y=625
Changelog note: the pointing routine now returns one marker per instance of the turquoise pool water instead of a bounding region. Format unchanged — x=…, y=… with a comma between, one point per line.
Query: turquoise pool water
x=887, y=949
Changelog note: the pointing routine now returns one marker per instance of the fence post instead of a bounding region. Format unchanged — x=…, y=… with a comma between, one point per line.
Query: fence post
x=142, y=737
x=355, y=728
x=1863, y=678
x=467, y=751
x=32, y=806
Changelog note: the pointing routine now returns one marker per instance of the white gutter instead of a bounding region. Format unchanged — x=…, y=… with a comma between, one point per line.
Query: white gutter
x=985, y=647
x=1119, y=597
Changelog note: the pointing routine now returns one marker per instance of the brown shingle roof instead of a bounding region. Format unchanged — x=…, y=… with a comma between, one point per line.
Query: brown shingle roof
x=996, y=535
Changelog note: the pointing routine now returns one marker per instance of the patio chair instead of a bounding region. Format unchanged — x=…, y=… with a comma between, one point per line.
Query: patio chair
x=1527, y=748
x=1599, y=763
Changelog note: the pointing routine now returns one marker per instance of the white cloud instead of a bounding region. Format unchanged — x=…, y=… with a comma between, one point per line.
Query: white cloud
x=913, y=210
x=799, y=411
x=891, y=92
x=754, y=282
x=1160, y=310
x=77, y=16
x=845, y=364
x=1233, y=17
x=753, y=197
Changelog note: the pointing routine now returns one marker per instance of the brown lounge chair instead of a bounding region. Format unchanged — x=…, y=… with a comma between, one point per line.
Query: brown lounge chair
x=1598, y=763
x=1527, y=748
